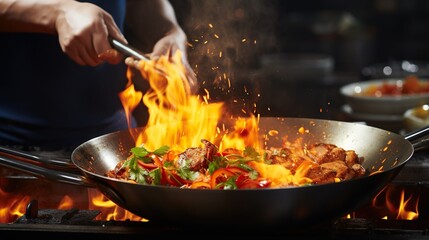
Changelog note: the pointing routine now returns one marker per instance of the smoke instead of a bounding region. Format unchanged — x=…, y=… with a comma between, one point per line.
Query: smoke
x=226, y=36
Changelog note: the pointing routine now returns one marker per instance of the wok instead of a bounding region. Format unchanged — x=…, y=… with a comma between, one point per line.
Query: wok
x=384, y=153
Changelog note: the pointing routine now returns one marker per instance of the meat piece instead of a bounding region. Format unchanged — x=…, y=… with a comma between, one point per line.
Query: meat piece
x=359, y=169
x=323, y=153
x=197, y=158
x=340, y=168
x=318, y=151
x=318, y=175
x=211, y=149
x=192, y=158
x=286, y=157
x=352, y=158
x=336, y=154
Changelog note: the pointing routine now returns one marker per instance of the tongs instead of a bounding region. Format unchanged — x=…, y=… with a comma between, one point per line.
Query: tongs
x=130, y=51
x=127, y=50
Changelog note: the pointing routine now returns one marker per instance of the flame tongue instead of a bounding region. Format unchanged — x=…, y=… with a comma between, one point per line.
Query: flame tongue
x=179, y=119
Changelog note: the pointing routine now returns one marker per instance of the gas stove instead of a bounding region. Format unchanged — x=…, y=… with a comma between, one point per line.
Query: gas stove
x=43, y=217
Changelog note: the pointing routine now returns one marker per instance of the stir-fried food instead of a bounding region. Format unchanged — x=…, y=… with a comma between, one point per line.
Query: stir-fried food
x=206, y=167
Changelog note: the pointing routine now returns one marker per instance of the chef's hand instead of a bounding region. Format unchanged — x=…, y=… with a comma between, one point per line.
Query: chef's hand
x=167, y=46
x=82, y=28
x=83, y=31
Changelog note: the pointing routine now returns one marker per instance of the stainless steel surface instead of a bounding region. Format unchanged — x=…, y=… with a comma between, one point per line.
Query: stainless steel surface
x=55, y=162
x=44, y=172
x=127, y=50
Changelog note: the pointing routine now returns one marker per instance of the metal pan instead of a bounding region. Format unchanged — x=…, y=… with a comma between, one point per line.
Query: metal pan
x=385, y=154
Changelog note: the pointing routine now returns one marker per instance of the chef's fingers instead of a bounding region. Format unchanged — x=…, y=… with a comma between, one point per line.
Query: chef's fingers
x=89, y=56
x=131, y=62
x=189, y=74
x=76, y=48
x=75, y=56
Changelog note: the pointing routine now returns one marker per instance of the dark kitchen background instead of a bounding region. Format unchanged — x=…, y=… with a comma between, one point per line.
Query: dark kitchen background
x=289, y=58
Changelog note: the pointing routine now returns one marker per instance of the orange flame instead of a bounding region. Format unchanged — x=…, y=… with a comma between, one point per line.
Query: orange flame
x=13, y=206
x=130, y=98
x=403, y=213
x=179, y=119
x=397, y=206
x=109, y=210
x=66, y=202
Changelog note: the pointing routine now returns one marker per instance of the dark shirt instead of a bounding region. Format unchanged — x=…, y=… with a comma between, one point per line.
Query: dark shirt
x=46, y=99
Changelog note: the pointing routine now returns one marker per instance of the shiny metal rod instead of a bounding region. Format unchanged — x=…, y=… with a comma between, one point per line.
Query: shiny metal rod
x=127, y=50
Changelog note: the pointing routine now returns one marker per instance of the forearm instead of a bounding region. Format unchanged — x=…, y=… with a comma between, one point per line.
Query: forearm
x=29, y=15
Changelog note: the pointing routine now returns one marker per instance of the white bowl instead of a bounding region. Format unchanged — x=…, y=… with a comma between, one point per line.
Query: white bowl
x=416, y=118
x=386, y=104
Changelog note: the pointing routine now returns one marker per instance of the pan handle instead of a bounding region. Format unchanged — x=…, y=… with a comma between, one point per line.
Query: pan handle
x=55, y=163
x=419, y=138
x=42, y=172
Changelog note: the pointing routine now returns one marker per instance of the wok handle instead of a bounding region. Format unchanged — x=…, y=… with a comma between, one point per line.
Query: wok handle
x=415, y=135
x=127, y=50
x=419, y=138
x=64, y=164
x=42, y=172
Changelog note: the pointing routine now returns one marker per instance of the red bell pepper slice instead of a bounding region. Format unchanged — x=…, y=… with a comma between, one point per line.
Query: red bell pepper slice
x=250, y=183
x=148, y=166
x=220, y=175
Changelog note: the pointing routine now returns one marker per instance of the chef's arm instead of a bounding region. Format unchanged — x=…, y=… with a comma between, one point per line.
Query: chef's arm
x=28, y=15
x=82, y=28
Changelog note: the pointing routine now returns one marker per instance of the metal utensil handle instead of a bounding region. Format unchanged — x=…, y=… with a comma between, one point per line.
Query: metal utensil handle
x=127, y=50
x=419, y=133
x=54, y=163
x=42, y=172
x=419, y=138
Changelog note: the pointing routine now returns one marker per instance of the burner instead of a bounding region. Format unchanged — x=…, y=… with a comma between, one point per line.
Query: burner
x=54, y=216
